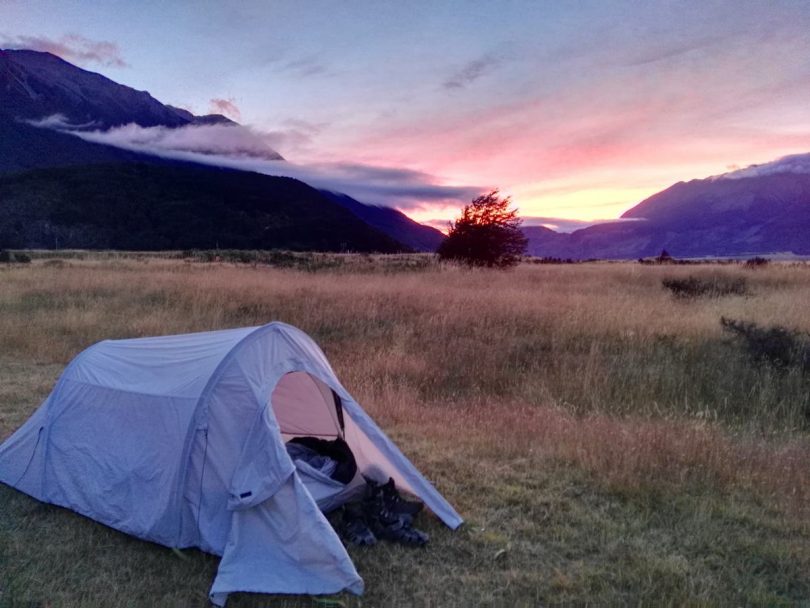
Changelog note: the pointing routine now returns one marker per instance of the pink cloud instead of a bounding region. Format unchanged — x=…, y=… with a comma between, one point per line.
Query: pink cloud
x=71, y=47
x=227, y=107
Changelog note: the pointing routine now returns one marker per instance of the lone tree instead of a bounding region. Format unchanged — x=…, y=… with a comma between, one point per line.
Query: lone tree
x=487, y=234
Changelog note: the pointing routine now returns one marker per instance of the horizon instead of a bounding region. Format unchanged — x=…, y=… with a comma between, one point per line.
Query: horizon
x=579, y=113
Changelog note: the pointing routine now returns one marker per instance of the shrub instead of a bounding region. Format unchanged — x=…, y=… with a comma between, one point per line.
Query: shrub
x=664, y=257
x=757, y=262
x=777, y=346
x=694, y=287
x=8, y=257
x=487, y=234
x=553, y=260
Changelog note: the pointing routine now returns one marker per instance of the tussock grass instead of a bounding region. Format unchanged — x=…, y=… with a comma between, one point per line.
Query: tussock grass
x=605, y=441
x=717, y=286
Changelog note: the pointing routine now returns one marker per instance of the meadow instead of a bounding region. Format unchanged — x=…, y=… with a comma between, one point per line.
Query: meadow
x=606, y=441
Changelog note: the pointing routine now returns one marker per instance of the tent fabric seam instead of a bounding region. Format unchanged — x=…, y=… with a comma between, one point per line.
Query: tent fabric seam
x=130, y=392
x=194, y=427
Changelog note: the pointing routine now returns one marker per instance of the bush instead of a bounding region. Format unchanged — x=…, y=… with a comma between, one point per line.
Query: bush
x=9, y=257
x=777, y=346
x=694, y=287
x=553, y=260
x=487, y=234
x=757, y=262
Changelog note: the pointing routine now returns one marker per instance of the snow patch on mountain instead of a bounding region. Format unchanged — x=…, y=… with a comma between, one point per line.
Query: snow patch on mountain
x=795, y=163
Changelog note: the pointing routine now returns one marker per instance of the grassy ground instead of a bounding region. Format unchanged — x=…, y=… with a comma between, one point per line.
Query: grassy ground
x=606, y=442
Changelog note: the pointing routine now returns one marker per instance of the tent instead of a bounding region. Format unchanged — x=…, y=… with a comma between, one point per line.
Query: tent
x=180, y=440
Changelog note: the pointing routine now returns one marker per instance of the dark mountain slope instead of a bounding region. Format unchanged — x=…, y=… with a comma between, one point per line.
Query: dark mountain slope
x=23, y=147
x=34, y=85
x=543, y=240
x=736, y=200
x=392, y=222
x=141, y=206
x=710, y=217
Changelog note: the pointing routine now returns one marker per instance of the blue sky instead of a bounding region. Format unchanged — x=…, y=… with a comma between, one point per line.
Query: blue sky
x=577, y=109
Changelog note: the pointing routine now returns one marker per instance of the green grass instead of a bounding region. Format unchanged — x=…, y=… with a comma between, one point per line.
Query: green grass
x=536, y=535
x=606, y=443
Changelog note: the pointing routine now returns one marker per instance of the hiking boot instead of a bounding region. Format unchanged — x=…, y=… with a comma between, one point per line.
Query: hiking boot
x=394, y=502
x=392, y=499
x=385, y=523
x=404, y=533
x=355, y=528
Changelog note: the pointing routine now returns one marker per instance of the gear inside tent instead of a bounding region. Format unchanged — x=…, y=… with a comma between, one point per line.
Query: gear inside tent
x=180, y=440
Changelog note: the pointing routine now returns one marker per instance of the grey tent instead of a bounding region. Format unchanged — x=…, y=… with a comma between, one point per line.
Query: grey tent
x=180, y=440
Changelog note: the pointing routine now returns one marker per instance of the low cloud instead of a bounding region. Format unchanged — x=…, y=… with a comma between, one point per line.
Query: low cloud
x=71, y=47
x=795, y=163
x=567, y=225
x=234, y=141
x=239, y=147
x=59, y=122
x=401, y=188
x=295, y=135
x=227, y=107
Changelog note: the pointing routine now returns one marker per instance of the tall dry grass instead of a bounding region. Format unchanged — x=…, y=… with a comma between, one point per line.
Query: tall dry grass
x=603, y=337
x=566, y=347
x=600, y=435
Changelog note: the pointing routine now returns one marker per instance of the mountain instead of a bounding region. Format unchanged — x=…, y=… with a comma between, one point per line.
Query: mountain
x=145, y=206
x=543, y=240
x=35, y=86
x=750, y=212
x=392, y=222
x=23, y=147
x=207, y=119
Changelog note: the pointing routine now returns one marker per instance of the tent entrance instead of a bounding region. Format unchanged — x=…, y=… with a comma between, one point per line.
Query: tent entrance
x=305, y=406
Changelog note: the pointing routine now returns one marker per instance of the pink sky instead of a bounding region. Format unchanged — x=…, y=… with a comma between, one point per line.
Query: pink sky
x=578, y=110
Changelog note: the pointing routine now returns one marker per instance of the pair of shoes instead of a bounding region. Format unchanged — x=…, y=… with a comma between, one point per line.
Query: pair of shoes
x=389, y=516
x=395, y=503
x=401, y=530
x=355, y=528
x=392, y=499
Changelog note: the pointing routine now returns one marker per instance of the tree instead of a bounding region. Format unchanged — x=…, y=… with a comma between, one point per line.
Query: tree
x=487, y=234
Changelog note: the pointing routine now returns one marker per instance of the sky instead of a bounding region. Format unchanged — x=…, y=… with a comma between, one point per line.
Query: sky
x=577, y=109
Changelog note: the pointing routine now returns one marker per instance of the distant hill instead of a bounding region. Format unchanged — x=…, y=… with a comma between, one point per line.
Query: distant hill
x=36, y=85
x=744, y=213
x=392, y=222
x=543, y=240
x=143, y=206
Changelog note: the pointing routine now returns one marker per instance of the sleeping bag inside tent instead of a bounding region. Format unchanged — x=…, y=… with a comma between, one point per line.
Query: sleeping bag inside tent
x=180, y=440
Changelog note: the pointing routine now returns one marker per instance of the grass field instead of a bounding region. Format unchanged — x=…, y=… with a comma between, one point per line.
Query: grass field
x=606, y=442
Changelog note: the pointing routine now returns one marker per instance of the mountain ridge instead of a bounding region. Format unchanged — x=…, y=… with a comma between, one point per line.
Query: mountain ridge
x=758, y=215
x=175, y=205
x=36, y=85
x=392, y=222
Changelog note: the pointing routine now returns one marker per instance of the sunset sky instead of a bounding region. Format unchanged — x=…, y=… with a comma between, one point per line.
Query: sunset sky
x=579, y=110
